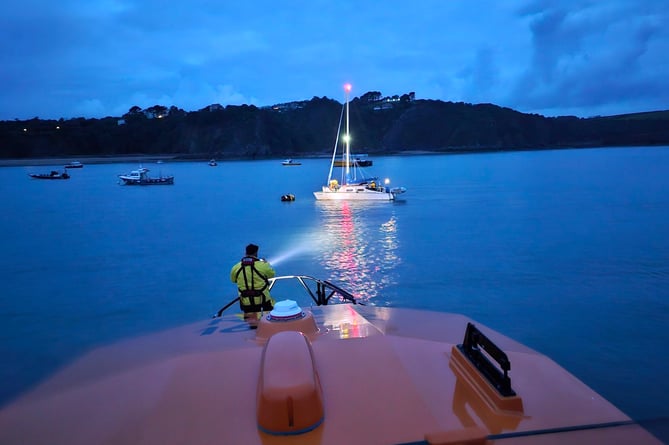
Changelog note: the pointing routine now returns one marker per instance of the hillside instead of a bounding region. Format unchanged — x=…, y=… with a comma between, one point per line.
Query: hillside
x=309, y=128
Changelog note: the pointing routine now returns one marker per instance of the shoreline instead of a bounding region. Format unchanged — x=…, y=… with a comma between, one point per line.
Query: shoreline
x=83, y=159
x=150, y=159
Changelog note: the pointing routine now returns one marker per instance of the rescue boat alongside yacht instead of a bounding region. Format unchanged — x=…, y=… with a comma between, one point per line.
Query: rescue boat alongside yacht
x=318, y=373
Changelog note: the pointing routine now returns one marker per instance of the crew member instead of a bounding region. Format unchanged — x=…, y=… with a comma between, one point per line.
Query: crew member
x=251, y=275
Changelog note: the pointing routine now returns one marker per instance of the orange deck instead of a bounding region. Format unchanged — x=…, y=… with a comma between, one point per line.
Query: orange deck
x=388, y=376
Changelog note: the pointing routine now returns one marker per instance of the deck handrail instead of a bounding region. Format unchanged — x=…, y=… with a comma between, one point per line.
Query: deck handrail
x=324, y=291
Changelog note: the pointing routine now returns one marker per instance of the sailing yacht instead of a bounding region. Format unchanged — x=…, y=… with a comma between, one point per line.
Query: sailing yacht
x=354, y=185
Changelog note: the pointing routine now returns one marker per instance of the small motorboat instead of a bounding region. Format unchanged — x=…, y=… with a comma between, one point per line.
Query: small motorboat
x=141, y=177
x=54, y=174
x=318, y=373
x=290, y=162
x=288, y=197
x=74, y=164
x=213, y=163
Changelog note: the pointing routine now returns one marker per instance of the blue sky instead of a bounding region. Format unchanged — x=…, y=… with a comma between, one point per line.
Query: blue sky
x=88, y=58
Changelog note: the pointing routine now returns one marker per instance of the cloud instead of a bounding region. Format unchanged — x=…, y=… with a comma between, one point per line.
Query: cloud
x=594, y=56
x=99, y=58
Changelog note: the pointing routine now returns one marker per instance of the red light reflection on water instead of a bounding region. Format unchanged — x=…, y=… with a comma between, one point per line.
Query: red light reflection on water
x=358, y=250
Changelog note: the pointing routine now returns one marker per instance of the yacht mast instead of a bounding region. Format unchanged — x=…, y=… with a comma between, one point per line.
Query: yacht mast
x=347, y=136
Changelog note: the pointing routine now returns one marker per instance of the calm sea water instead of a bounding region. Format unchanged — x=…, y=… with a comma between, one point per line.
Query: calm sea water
x=566, y=251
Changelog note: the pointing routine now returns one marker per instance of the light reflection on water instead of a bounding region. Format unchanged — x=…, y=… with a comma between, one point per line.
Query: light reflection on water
x=359, y=246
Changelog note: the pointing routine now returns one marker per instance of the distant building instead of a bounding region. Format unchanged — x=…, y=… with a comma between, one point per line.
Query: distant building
x=386, y=103
x=384, y=106
x=287, y=106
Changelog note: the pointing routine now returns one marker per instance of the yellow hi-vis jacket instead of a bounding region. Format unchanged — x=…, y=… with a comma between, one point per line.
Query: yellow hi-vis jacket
x=256, y=280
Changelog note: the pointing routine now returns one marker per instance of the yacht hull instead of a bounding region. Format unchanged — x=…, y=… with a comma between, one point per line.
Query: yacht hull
x=354, y=196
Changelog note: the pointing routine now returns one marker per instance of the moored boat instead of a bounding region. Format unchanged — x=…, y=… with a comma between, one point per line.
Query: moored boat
x=54, y=174
x=327, y=374
x=357, y=160
x=354, y=183
x=141, y=177
x=74, y=164
x=290, y=162
x=213, y=163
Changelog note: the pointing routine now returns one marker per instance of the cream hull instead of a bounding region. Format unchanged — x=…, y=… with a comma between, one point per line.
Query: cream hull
x=355, y=192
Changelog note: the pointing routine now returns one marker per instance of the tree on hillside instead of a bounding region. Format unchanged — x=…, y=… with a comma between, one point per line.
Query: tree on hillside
x=371, y=96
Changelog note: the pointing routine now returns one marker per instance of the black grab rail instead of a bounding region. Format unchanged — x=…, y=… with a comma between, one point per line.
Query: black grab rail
x=321, y=295
x=472, y=346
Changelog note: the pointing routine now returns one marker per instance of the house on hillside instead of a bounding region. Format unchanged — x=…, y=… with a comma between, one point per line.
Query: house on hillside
x=287, y=106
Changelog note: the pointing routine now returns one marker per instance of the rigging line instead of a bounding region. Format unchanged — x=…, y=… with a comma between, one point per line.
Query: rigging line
x=564, y=429
x=334, y=152
x=644, y=423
